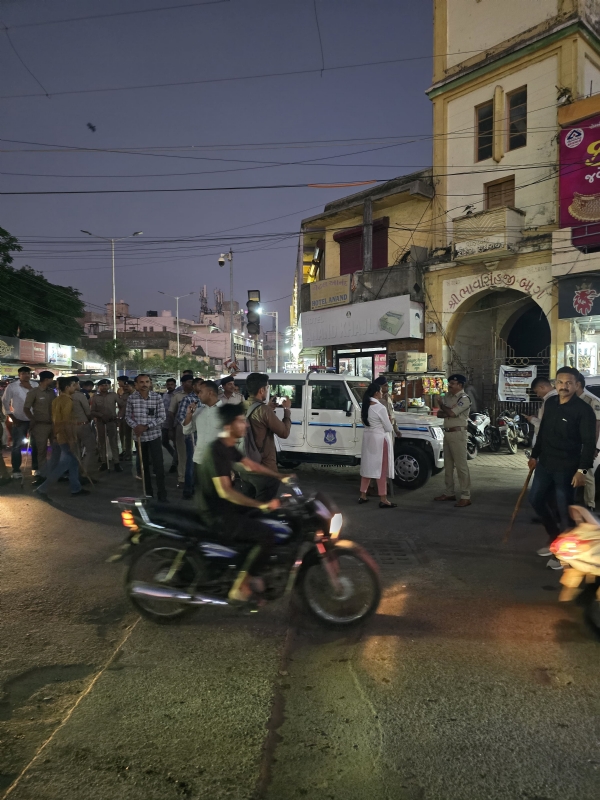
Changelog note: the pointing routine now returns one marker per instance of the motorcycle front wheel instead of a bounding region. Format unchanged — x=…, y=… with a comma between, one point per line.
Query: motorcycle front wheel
x=512, y=440
x=471, y=449
x=153, y=563
x=358, y=592
x=495, y=440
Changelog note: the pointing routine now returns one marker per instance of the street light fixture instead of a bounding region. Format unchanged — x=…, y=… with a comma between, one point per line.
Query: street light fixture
x=112, y=240
x=222, y=258
x=177, y=299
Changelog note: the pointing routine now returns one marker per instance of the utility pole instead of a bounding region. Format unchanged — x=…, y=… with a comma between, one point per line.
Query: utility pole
x=112, y=241
x=367, y=235
x=222, y=258
x=177, y=299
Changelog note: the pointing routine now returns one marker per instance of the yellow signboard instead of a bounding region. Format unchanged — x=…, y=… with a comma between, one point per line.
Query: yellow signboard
x=330, y=292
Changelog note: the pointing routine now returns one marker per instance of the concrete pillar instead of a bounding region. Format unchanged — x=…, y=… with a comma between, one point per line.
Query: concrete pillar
x=368, y=235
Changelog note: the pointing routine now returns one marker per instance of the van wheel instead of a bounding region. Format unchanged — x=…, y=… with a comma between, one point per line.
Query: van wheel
x=412, y=467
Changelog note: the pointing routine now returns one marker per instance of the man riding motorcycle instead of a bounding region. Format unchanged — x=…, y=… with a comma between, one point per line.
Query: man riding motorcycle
x=229, y=511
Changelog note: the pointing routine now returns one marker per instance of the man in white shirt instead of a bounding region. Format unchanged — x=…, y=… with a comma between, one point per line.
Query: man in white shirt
x=204, y=421
x=13, y=400
x=542, y=387
x=589, y=490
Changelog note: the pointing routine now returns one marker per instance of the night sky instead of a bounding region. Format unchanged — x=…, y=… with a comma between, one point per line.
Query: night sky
x=360, y=122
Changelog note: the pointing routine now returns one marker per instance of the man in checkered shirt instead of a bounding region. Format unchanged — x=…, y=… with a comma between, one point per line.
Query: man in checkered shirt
x=191, y=399
x=145, y=413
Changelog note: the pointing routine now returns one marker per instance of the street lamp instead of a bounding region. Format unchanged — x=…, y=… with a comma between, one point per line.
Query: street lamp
x=112, y=241
x=276, y=315
x=222, y=258
x=177, y=299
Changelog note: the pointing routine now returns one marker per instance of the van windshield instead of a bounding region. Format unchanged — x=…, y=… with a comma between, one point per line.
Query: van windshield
x=358, y=389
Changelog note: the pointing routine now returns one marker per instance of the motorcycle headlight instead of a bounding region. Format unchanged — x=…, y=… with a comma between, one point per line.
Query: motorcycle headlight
x=335, y=525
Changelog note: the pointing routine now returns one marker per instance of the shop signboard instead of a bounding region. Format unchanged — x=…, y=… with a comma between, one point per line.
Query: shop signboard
x=330, y=292
x=59, y=354
x=579, y=296
x=579, y=185
x=375, y=321
x=9, y=348
x=32, y=352
x=513, y=383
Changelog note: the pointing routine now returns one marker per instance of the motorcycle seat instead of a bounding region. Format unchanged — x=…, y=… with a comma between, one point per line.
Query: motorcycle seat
x=186, y=521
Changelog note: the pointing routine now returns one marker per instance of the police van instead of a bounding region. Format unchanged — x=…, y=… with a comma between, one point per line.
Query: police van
x=327, y=427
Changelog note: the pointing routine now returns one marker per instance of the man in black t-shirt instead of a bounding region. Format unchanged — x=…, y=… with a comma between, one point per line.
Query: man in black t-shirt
x=229, y=511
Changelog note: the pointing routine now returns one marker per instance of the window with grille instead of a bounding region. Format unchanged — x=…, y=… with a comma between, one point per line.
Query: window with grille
x=517, y=119
x=500, y=194
x=485, y=130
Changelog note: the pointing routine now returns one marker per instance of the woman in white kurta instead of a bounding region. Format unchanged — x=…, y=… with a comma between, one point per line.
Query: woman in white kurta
x=377, y=454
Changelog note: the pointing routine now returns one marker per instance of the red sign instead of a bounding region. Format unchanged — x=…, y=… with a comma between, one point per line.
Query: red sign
x=580, y=182
x=32, y=352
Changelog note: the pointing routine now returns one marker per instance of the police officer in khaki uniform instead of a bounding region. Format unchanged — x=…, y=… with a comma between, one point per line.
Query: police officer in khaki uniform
x=589, y=490
x=454, y=410
x=37, y=408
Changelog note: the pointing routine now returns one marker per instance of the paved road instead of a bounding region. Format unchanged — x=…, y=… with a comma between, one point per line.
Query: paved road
x=471, y=682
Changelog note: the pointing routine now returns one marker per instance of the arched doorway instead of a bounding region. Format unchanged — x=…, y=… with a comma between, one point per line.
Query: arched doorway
x=498, y=326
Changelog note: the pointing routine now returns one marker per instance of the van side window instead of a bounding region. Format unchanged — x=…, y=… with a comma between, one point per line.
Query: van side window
x=293, y=391
x=329, y=396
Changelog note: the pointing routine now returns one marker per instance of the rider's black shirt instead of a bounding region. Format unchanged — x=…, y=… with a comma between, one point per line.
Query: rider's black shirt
x=218, y=462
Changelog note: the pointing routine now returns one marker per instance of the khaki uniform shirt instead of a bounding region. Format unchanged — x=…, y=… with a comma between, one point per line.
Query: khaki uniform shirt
x=39, y=403
x=81, y=407
x=104, y=406
x=461, y=405
x=122, y=403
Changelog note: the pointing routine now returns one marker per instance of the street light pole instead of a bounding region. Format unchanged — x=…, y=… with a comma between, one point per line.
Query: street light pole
x=112, y=240
x=177, y=299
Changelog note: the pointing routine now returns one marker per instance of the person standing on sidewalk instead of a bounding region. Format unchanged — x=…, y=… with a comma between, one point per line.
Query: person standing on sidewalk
x=103, y=406
x=38, y=409
x=386, y=401
x=86, y=439
x=63, y=421
x=189, y=400
x=203, y=420
x=145, y=415
x=168, y=433
x=454, y=410
x=589, y=490
x=562, y=456
x=13, y=400
x=543, y=389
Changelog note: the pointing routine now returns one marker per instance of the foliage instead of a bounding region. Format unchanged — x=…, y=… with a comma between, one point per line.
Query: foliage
x=110, y=350
x=31, y=306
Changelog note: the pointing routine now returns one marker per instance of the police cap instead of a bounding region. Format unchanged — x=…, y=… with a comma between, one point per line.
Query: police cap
x=458, y=378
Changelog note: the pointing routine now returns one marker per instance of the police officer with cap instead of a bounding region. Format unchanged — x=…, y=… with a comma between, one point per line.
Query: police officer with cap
x=454, y=410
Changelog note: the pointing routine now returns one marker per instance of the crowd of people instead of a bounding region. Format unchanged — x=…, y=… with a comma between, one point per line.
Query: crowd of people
x=76, y=429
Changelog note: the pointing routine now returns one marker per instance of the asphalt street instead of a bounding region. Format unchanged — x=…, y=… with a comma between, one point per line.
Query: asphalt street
x=471, y=682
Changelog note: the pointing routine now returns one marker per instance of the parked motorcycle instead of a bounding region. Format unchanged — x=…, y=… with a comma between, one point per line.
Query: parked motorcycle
x=513, y=430
x=579, y=552
x=177, y=565
x=480, y=434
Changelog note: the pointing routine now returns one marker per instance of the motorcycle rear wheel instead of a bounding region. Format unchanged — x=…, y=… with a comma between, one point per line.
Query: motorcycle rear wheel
x=360, y=590
x=472, y=449
x=495, y=441
x=151, y=563
x=512, y=440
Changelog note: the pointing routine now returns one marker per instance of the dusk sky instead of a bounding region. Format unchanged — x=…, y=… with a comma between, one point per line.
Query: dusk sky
x=361, y=123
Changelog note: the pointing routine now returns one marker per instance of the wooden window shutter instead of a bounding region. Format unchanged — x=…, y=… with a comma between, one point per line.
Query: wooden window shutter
x=351, y=246
x=500, y=194
x=380, y=243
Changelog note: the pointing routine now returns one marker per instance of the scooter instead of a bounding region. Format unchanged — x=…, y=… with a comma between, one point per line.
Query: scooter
x=176, y=564
x=578, y=550
x=480, y=434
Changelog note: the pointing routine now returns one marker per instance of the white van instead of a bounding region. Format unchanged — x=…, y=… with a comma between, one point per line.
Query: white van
x=327, y=427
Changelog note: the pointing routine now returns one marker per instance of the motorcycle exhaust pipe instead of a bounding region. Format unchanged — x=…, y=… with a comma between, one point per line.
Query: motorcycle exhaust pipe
x=156, y=592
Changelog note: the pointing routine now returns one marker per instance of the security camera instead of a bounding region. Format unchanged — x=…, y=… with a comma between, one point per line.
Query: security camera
x=222, y=260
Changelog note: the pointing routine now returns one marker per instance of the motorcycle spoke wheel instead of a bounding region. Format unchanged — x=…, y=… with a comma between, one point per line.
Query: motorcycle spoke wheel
x=357, y=597
x=153, y=566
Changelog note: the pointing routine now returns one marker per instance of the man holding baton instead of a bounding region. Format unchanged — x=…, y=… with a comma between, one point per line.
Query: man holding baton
x=145, y=414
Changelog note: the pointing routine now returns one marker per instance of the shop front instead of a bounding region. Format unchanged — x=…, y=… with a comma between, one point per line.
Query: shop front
x=579, y=304
x=361, y=339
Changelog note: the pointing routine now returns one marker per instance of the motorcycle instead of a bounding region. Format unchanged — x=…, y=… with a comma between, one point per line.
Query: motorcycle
x=513, y=430
x=480, y=434
x=578, y=550
x=176, y=564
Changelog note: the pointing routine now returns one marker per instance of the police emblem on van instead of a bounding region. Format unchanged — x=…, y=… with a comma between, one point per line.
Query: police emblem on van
x=330, y=436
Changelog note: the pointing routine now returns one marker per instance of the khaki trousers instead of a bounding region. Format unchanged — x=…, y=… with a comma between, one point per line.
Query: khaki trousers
x=589, y=490
x=181, y=453
x=455, y=457
x=107, y=430
x=40, y=433
x=87, y=440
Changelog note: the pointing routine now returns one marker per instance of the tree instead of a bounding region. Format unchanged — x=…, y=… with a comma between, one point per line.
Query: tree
x=31, y=306
x=110, y=350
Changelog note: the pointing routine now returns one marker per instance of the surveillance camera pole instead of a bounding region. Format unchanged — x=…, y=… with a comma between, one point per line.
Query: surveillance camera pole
x=229, y=257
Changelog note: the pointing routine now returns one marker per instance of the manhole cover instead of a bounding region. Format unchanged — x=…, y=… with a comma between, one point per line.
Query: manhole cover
x=389, y=554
